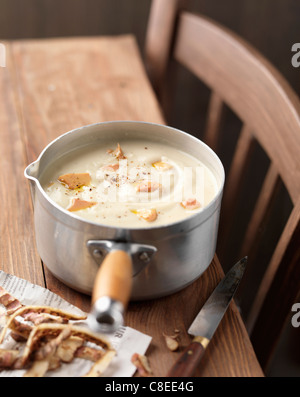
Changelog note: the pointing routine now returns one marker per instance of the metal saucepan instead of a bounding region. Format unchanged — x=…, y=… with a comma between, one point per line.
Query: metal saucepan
x=113, y=264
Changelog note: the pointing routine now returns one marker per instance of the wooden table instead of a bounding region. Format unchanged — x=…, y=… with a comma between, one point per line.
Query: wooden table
x=49, y=87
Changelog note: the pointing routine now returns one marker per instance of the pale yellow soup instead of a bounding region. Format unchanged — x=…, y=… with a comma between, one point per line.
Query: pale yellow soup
x=179, y=185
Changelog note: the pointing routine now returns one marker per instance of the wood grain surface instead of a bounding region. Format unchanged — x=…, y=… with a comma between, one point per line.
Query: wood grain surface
x=48, y=88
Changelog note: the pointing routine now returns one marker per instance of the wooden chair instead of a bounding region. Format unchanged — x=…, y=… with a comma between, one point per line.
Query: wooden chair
x=243, y=80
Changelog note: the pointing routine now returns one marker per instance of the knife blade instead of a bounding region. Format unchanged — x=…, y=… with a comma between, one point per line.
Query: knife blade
x=207, y=320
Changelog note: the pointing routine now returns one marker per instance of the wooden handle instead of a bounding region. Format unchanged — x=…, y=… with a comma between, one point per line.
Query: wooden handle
x=187, y=363
x=114, y=277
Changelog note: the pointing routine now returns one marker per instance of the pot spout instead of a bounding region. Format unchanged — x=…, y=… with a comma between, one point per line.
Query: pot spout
x=31, y=172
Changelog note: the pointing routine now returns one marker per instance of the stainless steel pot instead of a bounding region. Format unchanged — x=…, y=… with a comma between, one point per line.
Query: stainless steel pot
x=162, y=259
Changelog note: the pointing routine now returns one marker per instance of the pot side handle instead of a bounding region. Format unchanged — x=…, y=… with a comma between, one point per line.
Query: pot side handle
x=114, y=278
x=111, y=292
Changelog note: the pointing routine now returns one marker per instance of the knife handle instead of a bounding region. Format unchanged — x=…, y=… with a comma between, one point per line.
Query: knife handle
x=187, y=363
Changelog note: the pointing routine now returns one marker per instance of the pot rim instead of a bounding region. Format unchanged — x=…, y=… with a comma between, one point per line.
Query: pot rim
x=78, y=219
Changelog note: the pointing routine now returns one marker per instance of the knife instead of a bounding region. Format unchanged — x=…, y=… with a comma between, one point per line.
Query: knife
x=206, y=322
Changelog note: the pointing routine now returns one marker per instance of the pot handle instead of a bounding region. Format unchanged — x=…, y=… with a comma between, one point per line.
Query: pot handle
x=114, y=278
x=113, y=283
x=111, y=292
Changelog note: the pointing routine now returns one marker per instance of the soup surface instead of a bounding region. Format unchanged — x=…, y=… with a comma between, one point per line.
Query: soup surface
x=130, y=184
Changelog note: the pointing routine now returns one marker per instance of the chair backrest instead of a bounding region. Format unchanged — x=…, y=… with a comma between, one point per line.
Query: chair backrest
x=243, y=80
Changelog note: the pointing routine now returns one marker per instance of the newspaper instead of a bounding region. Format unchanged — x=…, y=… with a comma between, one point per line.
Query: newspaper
x=125, y=340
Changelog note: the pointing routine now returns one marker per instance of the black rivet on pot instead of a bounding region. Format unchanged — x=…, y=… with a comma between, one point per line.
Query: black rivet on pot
x=144, y=257
x=97, y=254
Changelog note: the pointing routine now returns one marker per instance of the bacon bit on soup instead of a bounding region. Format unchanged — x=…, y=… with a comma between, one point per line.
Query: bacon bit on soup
x=148, y=215
x=75, y=180
x=162, y=166
x=190, y=204
x=147, y=186
x=118, y=153
x=110, y=167
x=78, y=204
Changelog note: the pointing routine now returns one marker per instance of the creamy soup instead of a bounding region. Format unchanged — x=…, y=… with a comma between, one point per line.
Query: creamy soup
x=130, y=184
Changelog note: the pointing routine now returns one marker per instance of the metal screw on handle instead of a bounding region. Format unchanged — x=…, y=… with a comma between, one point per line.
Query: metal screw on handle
x=144, y=257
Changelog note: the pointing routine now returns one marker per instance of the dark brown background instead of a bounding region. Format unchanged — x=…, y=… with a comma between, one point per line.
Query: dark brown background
x=272, y=26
